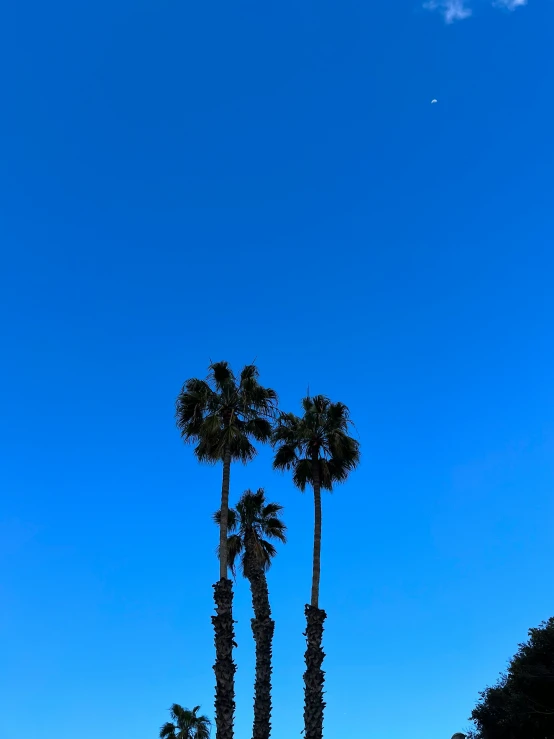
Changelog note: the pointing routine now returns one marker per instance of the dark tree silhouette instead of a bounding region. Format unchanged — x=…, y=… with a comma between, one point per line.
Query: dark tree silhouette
x=317, y=449
x=186, y=724
x=252, y=524
x=221, y=416
x=521, y=704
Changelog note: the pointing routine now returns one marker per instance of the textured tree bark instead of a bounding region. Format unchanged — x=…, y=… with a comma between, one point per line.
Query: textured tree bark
x=223, y=524
x=263, y=627
x=314, y=676
x=224, y=666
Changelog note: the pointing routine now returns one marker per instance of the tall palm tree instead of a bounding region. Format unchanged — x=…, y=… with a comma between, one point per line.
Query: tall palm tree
x=186, y=724
x=222, y=415
x=251, y=524
x=320, y=453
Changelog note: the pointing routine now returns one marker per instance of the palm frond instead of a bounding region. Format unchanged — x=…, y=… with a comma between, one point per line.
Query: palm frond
x=222, y=376
x=189, y=724
x=256, y=517
x=307, y=404
x=167, y=731
x=326, y=474
x=191, y=406
x=249, y=506
x=251, y=388
x=337, y=417
x=260, y=400
x=248, y=373
x=234, y=550
x=321, y=433
x=213, y=430
x=286, y=428
x=274, y=528
x=266, y=552
x=257, y=497
x=178, y=714
x=219, y=413
x=271, y=509
x=259, y=428
x=201, y=719
x=345, y=447
x=195, y=386
x=242, y=449
x=302, y=474
x=202, y=728
x=346, y=451
x=208, y=450
x=285, y=457
x=231, y=519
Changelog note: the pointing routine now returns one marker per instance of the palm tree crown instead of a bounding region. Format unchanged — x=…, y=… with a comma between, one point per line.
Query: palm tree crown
x=223, y=412
x=253, y=514
x=186, y=724
x=319, y=437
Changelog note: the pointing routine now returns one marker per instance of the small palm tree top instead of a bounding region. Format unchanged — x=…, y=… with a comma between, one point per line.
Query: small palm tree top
x=186, y=724
x=320, y=433
x=225, y=412
x=253, y=514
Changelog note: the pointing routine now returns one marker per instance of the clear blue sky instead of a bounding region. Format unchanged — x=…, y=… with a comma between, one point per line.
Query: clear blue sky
x=184, y=181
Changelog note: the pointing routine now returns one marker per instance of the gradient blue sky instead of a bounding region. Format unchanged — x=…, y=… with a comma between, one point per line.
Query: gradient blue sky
x=182, y=181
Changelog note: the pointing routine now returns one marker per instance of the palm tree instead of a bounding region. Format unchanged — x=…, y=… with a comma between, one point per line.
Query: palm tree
x=251, y=524
x=187, y=724
x=320, y=453
x=221, y=416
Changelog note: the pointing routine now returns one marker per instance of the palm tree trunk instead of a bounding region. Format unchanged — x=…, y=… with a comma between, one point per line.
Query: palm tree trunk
x=316, y=567
x=314, y=676
x=224, y=666
x=263, y=627
x=223, y=524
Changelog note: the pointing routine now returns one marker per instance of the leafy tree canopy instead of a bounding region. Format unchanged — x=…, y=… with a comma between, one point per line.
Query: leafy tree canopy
x=255, y=515
x=321, y=434
x=521, y=704
x=224, y=411
x=185, y=724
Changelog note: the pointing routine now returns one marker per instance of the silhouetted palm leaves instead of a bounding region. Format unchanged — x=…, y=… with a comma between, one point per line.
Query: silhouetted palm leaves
x=185, y=724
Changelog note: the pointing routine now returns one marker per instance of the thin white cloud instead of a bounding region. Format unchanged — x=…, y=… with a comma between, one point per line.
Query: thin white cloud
x=510, y=4
x=452, y=10
x=458, y=10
